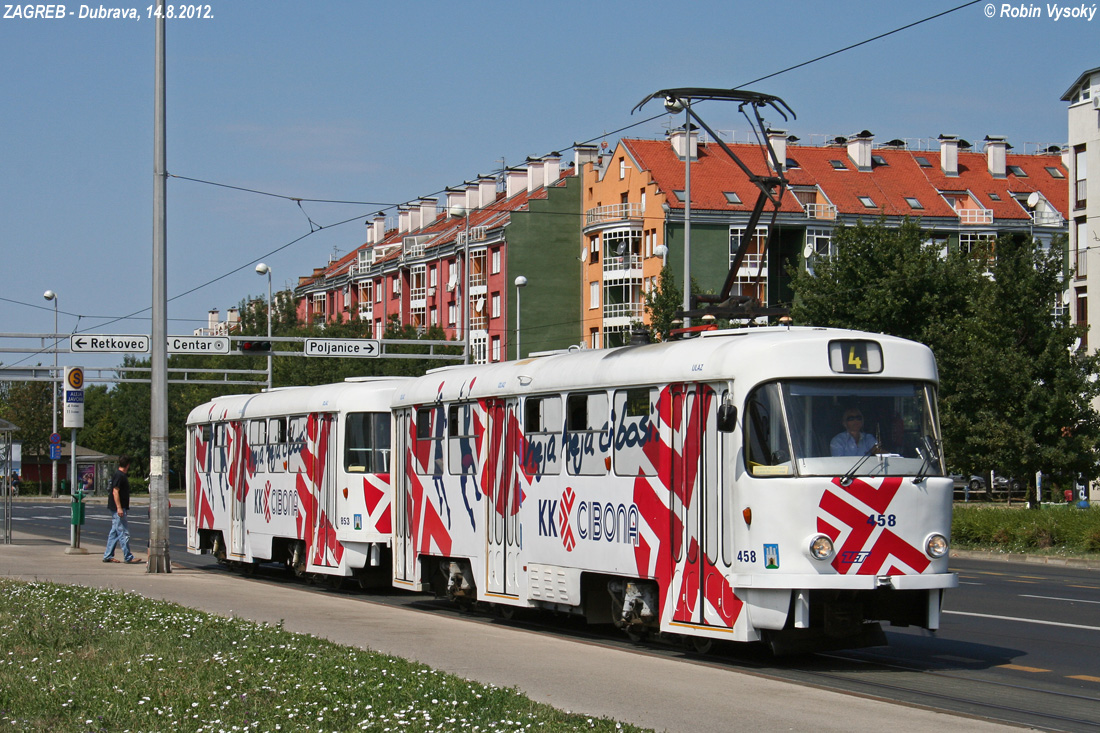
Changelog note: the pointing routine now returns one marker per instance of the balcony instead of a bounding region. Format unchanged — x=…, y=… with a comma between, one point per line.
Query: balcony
x=1047, y=219
x=625, y=266
x=612, y=213
x=631, y=311
x=972, y=217
x=820, y=211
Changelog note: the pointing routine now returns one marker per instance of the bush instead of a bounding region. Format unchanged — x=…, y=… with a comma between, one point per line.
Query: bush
x=1062, y=529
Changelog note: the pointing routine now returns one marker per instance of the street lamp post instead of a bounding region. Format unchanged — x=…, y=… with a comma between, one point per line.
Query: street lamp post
x=262, y=269
x=521, y=282
x=51, y=295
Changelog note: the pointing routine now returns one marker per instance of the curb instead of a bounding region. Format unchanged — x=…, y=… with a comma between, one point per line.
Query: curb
x=1084, y=563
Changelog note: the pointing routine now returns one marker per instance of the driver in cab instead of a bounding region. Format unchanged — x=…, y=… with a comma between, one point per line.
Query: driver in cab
x=852, y=441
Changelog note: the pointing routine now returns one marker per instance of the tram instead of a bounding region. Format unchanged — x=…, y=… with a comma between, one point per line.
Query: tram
x=298, y=476
x=698, y=487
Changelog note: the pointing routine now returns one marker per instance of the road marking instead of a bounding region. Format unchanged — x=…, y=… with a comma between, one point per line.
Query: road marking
x=1027, y=582
x=1021, y=668
x=1086, y=587
x=1085, y=677
x=1054, y=598
x=1023, y=620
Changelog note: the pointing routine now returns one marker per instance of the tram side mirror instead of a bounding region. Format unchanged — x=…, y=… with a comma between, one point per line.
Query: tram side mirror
x=727, y=417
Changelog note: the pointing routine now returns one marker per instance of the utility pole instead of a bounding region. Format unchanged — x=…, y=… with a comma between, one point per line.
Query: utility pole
x=159, y=560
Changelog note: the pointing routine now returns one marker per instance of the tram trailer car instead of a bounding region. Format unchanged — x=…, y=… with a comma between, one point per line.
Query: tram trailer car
x=298, y=476
x=686, y=488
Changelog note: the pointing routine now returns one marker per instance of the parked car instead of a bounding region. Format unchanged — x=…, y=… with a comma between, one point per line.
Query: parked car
x=1003, y=486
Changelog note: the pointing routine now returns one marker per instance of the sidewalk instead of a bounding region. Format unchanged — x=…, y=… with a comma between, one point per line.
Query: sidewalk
x=585, y=677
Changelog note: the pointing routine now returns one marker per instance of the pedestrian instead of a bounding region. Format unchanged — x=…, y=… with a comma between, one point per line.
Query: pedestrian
x=118, y=502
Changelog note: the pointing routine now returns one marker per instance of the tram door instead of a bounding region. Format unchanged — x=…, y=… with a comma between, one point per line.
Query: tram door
x=695, y=489
x=500, y=476
x=404, y=558
x=324, y=485
x=237, y=470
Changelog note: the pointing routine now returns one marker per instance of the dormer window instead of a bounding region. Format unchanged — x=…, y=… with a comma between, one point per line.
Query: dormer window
x=1017, y=171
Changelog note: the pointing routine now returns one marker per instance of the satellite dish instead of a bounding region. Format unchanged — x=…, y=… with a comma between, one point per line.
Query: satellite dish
x=1066, y=296
x=1076, y=345
x=808, y=251
x=1033, y=200
x=620, y=250
x=584, y=253
x=479, y=305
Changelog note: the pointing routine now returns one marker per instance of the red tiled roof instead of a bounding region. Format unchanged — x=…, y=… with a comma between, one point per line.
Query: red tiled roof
x=886, y=185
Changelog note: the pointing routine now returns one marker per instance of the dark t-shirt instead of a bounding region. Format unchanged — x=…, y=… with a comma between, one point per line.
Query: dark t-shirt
x=123, y=483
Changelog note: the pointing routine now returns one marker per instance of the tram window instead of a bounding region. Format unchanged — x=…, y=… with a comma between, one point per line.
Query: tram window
x=257, y=433
x=634, y=429
x=542, y=435
x=429, y=440
x=217, y=449
x=766, y=447
x=295, y=442
x=276, y=444
x=205, y=435
x=585, y=451
x=367, y=442
x=461, y=441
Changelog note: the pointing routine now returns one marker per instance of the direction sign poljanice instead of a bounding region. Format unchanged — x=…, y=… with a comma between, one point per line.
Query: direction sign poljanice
x=198, y=344
x=109, y=344
x=342, y=347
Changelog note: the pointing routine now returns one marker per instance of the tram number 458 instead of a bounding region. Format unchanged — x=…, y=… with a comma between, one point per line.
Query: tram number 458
x=882, y=520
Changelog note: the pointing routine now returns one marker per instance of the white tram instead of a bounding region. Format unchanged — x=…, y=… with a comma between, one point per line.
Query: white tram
x=298, y=476
x=687, y=487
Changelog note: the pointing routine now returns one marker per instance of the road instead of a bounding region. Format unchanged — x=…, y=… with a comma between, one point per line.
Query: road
x=1018, y=643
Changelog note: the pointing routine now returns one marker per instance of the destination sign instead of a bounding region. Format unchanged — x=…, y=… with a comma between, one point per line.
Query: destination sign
x=342, y=347
x=103, y=344
x=198, y=344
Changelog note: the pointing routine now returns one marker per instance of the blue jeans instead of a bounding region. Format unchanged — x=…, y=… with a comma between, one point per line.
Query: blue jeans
x=120, y=535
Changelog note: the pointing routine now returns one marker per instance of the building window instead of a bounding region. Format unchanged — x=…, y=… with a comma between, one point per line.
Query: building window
x=838, y=165
x=496, y=305
x=822, y=242
x=681, y=194
x=1017, y=171
x=923, y=162
x=496, y=261
x=752, y=275
x=594, y=294
x=496, y=348
x=396, y=286
x=732, y=197
x=1055, y=172
x=1080, y=259
x=434, y=317
x=994, y=197
x=878, y=161
x=1083, y=316
x=451, y=308
x=432, y=281
x=913, y=202
x=622, y=168
x=594, y=338
x=1080, y=177
x=867, y=201
x=978, y=244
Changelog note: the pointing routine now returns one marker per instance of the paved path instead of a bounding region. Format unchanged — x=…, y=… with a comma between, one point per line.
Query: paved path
x=665, y=694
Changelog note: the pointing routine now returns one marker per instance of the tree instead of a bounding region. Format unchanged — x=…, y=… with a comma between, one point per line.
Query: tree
x=29, y=406
x=663, y=302
x=1012, y=395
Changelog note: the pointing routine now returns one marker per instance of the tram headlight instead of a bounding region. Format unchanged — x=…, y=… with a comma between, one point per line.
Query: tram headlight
x=820, y=547
x=936, y=546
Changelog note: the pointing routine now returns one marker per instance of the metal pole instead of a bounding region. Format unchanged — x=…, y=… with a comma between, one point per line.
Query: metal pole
x=521, y=281
x=74, y=547
x=466, y=290
x=159, y=560
x=54, y=385
x=269, y=306
x=687, y=210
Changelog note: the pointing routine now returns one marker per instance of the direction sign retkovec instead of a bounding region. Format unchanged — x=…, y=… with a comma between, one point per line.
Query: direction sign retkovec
x=104, y=344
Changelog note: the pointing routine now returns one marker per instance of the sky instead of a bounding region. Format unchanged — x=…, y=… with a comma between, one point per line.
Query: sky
x=381, y=103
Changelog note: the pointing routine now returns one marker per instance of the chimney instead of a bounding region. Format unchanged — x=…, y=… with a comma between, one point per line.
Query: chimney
x=583, y=154
x=456, y=197
x=414, y=216
x=552, y=171
x=402, y=220
x=473, y=197
x=859, y=150
x=685, y=140
x=370, y=233
x=428, y=211
x=487, y=190
x=212, y=319
x=232, y=318
x=949, y=155
x=778, y=140
x=996, y=148
x=379, y=227
x=535, y=171
x=515, y=180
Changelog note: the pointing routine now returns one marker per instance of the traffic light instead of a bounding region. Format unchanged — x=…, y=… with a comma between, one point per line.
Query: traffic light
x=254, y=347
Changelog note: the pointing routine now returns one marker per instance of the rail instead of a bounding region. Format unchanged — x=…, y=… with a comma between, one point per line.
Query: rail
x=613, y=212
x=820, y=211
x=975, y=216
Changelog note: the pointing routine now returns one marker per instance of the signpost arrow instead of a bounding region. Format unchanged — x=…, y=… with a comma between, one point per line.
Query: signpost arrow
x=91, y=343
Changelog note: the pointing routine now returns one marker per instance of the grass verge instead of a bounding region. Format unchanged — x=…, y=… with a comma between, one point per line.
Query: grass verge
x=83, y=659
x=1061, y=530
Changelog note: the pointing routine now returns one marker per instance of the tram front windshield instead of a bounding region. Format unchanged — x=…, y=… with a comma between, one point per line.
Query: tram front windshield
x=842, y=427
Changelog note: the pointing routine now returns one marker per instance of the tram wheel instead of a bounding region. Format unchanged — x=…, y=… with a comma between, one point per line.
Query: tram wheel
x=505, y=612
x=702, y=645
x=637, y=635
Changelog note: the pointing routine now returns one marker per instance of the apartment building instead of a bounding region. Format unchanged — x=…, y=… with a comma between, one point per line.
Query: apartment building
x=633, y=200
x=1083, y=152
x=458, y=263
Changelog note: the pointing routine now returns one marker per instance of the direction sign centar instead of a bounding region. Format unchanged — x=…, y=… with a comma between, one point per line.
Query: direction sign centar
x=198, y=344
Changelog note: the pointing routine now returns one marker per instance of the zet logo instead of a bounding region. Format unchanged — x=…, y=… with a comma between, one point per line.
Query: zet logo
x=564, y=510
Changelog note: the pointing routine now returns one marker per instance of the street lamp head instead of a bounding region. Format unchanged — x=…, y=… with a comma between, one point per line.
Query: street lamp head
x=521, y=281
x=262, y=269
x=49, y=295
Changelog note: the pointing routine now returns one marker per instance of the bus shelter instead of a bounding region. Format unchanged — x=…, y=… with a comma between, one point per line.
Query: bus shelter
x=7, y=441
